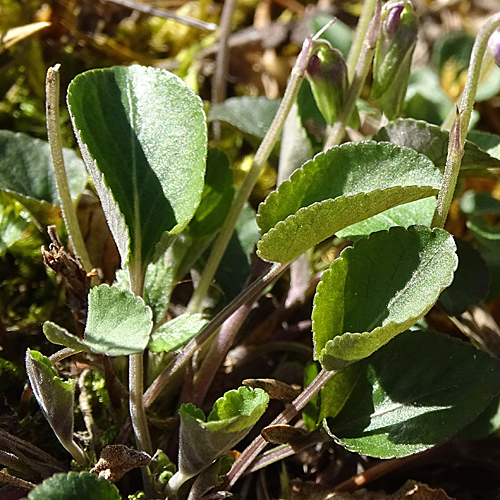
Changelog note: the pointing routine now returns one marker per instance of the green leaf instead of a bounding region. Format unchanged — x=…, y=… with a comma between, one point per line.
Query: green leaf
x=417, y=391
x=13, y=223
x=233, y=415
x=339, y=34
x=142, y=134
x=487, y=423
x=75, y=486
x=60, y=336
x=432, y=142
x=217, y=197
x=486, y=141
x=54, y=396
x=470, y=284
x=176, y=333
x=409, y=214
x=252, y=115
x=479, y=203
x=338, y=188
x=27, y=173
x=377, y=289
x=118, y=323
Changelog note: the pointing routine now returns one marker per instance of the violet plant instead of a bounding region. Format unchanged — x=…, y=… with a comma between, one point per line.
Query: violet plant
x=387, y=386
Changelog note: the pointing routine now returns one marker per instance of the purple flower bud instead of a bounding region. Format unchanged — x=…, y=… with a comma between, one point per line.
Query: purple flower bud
x=327, y=74
x=494, y=46
x=391, y=22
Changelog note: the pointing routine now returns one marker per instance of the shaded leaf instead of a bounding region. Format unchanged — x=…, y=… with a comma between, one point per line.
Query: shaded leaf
x=75, y=486
x=217, y=196
x=27, y=173
x=54, y=396
x=479, y=203
x=377, y=289
x=338, y=188
x=252, y=115
x=470, y=284
x=118, y=323
x=142, y=134
x=431, y=141
x=486, y=141
x=433, y=386
x=177, y=332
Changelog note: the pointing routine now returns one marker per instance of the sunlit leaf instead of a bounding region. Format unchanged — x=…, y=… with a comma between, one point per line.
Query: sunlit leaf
x=377, y=289
x=142, y=134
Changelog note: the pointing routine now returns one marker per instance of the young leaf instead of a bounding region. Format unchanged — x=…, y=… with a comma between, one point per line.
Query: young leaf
x=55, y=397
x=252, y=115
x=415, y=392
x=232, y=417
x=118, y=323
x=176, y=333
x=142, y=134
x=340, y=187
x=27, y=173
x=377, y=289
x=60, y=336
x=75, y=486
x=432, y=142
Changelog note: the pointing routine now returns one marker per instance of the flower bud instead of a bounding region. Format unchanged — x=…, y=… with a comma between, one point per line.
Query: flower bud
x=494, y=46
x=327, y=74
x=393, y=55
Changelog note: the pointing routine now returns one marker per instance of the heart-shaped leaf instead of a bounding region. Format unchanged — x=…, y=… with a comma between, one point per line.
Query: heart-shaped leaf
x=118, y=323
x=417, y=391
x=252, y=115
x=75, y=486
x=142, y=134
x=377, y=289
x=431, y=141
x=338, y=188
x=27, y=173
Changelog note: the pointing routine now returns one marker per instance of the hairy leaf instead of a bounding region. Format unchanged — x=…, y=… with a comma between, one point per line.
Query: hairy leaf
x=142, y=134
x=377, y=289
x=417, y=391
x=338, y=188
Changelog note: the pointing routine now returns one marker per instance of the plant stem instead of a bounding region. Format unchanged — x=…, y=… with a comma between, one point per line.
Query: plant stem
x=54, y=134
x=359, y=37
x=246, y=459
x=369, y=39
x=458, y=133
x=136, y=373
x=222, y=60
x=258, y=164
x=248, y=295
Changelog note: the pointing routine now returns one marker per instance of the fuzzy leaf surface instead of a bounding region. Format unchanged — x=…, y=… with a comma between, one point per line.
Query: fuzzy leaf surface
x=338, y=188
x=75, y=486
x=417, y=391
x=252, y=115
x=142, y=135
x=60, y=336
x=232, y=417
x=118, y=323
x=431, y=141
x=54, y=396
x=177, y=332
x=378, y=289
